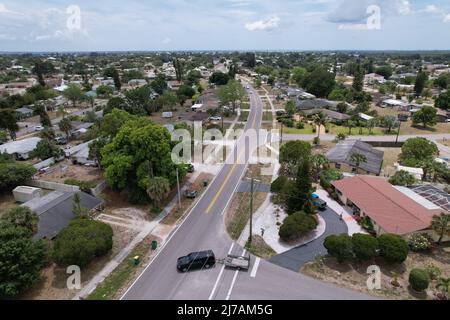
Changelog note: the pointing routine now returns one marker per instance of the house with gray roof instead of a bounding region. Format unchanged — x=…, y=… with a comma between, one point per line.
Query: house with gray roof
x=331, y=115
x=342, y=153
x=303, y=105
x=24, y=113
x=55, y=211
x=20, y=149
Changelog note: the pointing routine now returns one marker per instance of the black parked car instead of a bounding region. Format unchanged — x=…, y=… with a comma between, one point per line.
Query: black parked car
x=196, y=260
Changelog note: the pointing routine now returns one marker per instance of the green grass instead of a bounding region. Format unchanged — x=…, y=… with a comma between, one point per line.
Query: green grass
x=307, y=130
x=244, y=116
x=267, y=116
x=334, y=129
x=260, y=248
x=120, y=276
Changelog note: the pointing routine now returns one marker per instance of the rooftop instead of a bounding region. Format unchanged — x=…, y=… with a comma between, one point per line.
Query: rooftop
x=343, y=152
x=20, y=146
x=391, y=209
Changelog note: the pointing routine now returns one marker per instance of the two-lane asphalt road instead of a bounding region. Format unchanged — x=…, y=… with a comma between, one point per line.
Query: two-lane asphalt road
x=204, y=229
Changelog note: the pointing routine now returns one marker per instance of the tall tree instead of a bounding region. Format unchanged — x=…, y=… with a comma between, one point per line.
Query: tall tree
x=74, y=93
x=231, y=93
x=178, y=65
x=40, y=111
x=22, y=217
x=358, y=81
x=157, y=189
x=320, y=82
x=21, y=258
x=441, y=225
x=8, y=121
x=427, y=116
x=421, y=80
x=65, y=125
x=320, y=120
x=300, y=191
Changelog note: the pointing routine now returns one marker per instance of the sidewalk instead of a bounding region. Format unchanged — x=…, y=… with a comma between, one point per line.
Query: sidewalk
x=352, y=225
x=148, y=229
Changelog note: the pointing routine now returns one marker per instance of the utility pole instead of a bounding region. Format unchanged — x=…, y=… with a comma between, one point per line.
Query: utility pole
x=398, y=132
x=281, y=136
x=178, y=186
x=251, y=211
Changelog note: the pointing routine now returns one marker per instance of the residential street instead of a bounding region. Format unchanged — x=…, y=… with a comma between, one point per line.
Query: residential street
x=203, y=229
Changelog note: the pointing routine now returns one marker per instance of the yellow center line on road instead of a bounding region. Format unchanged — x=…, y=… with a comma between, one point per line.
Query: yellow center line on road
x=213, y=202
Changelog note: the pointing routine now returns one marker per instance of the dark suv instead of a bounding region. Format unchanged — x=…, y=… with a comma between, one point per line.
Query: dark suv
x=196, y=260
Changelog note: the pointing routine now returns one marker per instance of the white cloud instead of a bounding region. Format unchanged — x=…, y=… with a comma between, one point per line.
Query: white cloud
x=447, y=18
x=431, y=8
x=403, y=7
x=167, y=40
x=267, y=24
x=3, y=8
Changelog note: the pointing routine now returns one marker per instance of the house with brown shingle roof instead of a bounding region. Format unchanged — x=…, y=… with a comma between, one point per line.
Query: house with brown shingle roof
x=389, y=209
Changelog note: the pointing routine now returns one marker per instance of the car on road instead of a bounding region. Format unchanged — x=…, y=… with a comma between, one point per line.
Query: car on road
x=319, y=203
x=191, y=194
x=38, y=128
x=215, y=118
x=196, y=260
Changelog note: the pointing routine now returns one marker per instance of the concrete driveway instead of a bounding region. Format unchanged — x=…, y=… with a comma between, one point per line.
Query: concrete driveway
x=294, y=259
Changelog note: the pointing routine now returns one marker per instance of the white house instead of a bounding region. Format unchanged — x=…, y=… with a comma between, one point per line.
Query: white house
x=20, y=149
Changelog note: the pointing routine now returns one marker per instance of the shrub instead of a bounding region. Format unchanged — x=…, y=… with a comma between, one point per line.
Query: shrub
x=316, y=141
x=339, y=246
x=364, y=246
x=297, y=225
x=21, y=260
x=85, y=186
x=328, y=176
x=13, y=174
x=419, y=242
x=419, y=279
x=433, y=272
x=300, y=125
x=279, y=184
x=81, y=242
x=393, y=248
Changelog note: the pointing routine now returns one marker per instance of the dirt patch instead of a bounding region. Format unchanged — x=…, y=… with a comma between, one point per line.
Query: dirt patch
x=354, y=275
x=66, y=170
x=390, y=158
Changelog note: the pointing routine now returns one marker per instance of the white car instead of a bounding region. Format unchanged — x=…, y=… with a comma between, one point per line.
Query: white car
x=215, y=118
x=38, y=128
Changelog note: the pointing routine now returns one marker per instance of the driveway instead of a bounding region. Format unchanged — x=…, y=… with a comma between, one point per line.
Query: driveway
x=294, y=259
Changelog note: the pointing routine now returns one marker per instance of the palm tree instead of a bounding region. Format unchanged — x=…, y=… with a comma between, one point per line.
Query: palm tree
x=443, y=286
x=65, y=125
x=318, y=162
x=440, y=224
x=320, y=120
x=357, y=159
x=157, y=189
x=350, y=125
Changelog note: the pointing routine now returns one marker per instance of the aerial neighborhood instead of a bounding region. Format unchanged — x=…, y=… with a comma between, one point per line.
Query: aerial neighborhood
x=359, y=175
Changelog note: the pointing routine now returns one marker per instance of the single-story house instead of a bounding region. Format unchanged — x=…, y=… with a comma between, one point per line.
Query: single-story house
x=416, y=172
x=20, y=149
x=365, y=117
x=303, y=105
x=393, y=103
x=442, y=115
x=55, y=211
x=389, y=209
x=331, y=115
x=372, y=78
x=137, y=82
x=342, y=153
x=299, y=94
x=24, y=113
x=80, y=153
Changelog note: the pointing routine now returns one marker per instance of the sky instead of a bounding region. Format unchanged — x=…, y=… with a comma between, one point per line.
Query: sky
x=118, y=25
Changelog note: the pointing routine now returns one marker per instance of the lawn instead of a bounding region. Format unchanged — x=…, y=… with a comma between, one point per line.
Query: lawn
x=260, y=248
x=390, y=158
x=308, y=129
x=334, y=129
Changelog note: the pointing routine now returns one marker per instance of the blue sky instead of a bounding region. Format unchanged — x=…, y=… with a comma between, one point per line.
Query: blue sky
x=50, y=25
